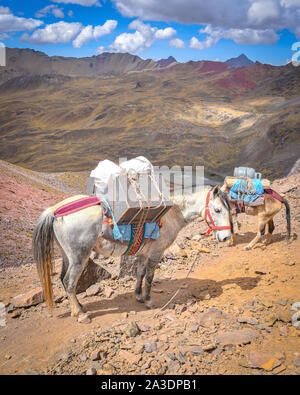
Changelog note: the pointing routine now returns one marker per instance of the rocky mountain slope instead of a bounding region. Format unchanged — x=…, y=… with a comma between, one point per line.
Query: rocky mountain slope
x=28, y=61
x=23, y=196
x=232, y=315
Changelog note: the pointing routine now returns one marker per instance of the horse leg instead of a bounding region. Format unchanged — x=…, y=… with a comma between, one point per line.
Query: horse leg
x=70, y=280
x=150, y=269
x=63, y=273
x=262, y=221
x=232, y=240
x=271, y=228
x=64, y=270
x=234, y=221
x=140, y=274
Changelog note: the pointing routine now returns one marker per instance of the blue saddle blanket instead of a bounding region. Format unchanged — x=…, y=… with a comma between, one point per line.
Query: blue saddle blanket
x=123, y=232
x=239, y=190
x=151, y=230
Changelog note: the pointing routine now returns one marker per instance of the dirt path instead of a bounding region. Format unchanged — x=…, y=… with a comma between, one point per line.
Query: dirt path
x=226, y=278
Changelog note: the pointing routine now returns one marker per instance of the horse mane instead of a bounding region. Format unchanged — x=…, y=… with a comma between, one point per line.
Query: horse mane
x=223, y=197
x=187, y=199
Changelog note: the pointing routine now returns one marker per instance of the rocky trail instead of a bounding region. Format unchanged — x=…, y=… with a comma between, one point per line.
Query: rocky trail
x=234, y=314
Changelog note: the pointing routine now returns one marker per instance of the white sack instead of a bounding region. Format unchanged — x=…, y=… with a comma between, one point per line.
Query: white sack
x=104, y=173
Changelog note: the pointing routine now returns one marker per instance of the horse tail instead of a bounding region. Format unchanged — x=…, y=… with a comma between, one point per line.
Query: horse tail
x=288, y=217
x=43, y=241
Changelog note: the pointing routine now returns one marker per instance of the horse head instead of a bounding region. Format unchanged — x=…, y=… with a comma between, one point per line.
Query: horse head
x=217, y=214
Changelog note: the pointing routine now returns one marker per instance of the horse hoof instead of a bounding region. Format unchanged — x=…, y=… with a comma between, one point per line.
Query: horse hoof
x=150, y=305
x=84, y=319
x=247, y=248
x=139, y=298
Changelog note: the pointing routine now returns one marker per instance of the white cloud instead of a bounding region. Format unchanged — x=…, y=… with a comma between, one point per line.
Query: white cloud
x=177, y=43
x=4, y=10
x=189, y=11
x=261, y=15
x=166, y=33
x=64, y=32
x=260, y=12
x=290, y=3
x=12, y=23
x=4, y=36
x=84, y=36
x=99, y=50
x=107, y=28
x=129, y=42
x=196, y=44
x=86, y=3
x=89, y=33
x=143, y=38
x=61, y=32
x=252, y=36
x=52, y=10
x=240, y=36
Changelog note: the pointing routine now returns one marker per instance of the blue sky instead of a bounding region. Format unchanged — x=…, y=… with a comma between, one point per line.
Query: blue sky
x=187, y=29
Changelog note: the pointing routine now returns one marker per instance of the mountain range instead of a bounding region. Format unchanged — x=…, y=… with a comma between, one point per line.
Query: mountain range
x=60, y=114
x=35, y=62
x=240, y=61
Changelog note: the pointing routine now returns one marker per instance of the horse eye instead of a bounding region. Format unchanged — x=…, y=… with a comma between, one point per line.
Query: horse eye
x=217, y=210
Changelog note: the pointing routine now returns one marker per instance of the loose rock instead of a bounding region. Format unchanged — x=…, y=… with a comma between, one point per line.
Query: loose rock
x=108, y=291
x=129, y=356
x=296, y=362
x=247, y=320
x=28, y=299
x=150, y=347
x=133, y=329
x=91, y=372
x=243, y=336
x=93, y=290
x=210, y=318
x=262, y=360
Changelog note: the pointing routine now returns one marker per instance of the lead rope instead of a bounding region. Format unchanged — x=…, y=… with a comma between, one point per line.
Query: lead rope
x=179, y=289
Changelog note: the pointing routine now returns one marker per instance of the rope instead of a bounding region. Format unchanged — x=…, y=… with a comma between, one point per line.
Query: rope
x=179, y=289
x=248, y=188
x=145, y=210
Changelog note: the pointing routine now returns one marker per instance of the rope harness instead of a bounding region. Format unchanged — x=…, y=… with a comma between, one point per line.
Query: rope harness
x=208, y=217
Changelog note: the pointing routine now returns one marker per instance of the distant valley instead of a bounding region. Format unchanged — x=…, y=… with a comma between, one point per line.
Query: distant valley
x=65, y=114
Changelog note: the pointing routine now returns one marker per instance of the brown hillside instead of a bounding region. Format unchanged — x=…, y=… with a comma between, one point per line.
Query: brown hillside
x=194, y=113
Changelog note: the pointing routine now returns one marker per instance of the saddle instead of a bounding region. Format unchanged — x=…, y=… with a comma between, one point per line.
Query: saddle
x=74, y=204
x=245, y=192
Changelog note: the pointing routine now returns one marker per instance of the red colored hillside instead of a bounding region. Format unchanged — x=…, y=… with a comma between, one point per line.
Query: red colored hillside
x=212, y=67
x=238, y=81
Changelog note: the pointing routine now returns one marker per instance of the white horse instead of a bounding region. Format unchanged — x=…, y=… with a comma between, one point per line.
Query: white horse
x=77, y=234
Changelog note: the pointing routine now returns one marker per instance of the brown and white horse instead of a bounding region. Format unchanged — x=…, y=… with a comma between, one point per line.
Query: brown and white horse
x=273, y=203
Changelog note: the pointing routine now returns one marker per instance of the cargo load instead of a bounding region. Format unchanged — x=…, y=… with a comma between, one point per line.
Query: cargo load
x=132, y=190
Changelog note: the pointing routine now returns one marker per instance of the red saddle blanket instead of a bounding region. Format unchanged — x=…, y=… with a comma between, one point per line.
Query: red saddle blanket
x=76, y=205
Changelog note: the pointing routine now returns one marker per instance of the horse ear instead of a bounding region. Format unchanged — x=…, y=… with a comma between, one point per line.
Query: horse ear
x=215, y=191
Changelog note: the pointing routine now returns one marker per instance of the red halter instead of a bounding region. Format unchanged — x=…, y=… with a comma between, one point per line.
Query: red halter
x=207, y=214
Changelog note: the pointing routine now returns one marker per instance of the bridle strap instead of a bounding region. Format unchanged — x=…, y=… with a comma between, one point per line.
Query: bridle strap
x=207, y=216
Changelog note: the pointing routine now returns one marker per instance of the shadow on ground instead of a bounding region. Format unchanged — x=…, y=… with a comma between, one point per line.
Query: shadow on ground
x=247, y=237
x=162, y=291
